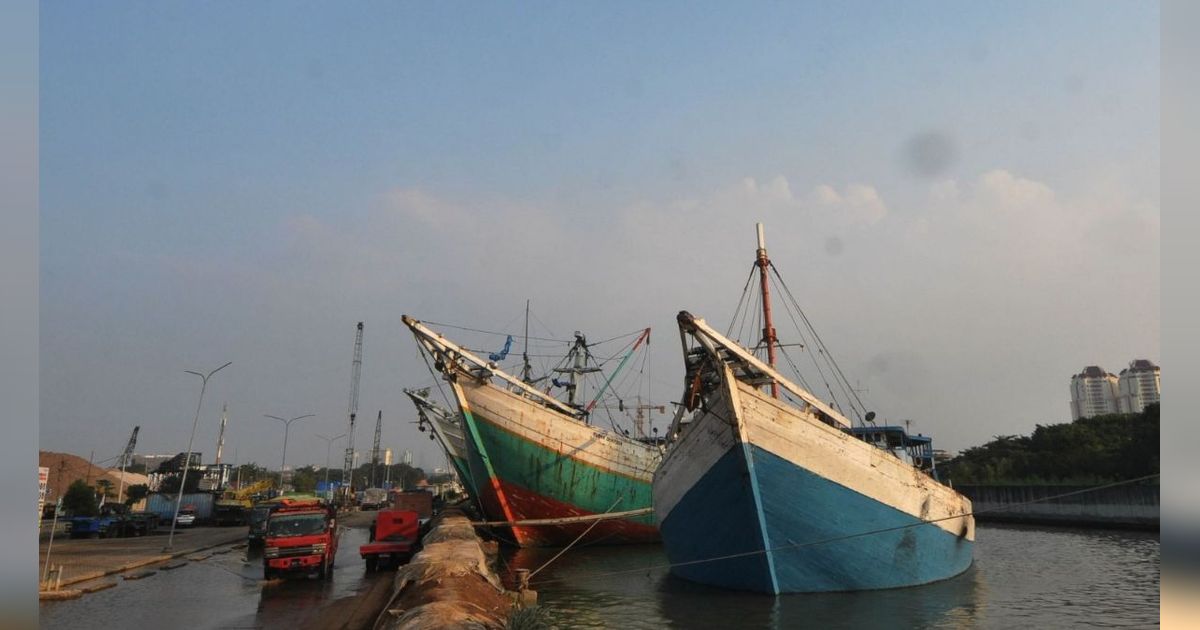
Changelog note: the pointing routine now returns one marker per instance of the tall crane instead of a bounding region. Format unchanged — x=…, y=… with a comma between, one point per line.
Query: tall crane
x=376, y=453
x=125, y=460
x=221, y=433
x=221, y=476
x=355, y=370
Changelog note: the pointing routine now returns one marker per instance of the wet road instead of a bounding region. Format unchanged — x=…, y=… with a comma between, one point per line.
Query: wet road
x=224, y=591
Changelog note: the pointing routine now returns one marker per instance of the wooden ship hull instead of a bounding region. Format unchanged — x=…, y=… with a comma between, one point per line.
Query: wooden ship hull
x=447, y=431
x=531, y=460
x=800, y=505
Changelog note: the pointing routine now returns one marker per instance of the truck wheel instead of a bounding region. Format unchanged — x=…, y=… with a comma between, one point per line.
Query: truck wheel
x=372, y=563
x=324, y=571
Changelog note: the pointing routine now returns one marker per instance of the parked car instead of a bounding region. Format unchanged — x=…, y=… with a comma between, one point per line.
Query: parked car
x=186, y=518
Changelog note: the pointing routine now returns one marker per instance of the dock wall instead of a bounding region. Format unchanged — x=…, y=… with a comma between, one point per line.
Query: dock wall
x=1126, y=507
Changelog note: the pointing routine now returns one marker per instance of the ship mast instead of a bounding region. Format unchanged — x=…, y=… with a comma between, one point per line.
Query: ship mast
x=768, y=327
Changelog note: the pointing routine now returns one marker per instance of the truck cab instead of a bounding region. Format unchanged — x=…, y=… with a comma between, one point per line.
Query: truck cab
x=301, y=537
x=258, y=521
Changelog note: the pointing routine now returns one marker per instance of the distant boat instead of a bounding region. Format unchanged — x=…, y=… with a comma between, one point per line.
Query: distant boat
x=444, y=427
x=534, y=457
x=780, y=494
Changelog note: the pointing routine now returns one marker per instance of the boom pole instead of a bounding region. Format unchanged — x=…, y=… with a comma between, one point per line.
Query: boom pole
x=769, y=337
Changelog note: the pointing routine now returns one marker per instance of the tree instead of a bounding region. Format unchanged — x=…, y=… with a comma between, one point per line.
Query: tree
x=304, y=479
x=80, y=499
x=170, y=483
x=136, y=493
x=250, y=473
x=1089, y=450
x=106, y=488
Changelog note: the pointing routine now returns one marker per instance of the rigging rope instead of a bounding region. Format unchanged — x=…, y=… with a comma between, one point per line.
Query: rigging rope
x=816, y=336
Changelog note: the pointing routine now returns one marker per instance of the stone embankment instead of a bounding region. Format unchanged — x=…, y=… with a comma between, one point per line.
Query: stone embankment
x=1124, y=507
x=449, y=584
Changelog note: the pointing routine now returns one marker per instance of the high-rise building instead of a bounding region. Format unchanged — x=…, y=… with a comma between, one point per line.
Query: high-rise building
x=1093, y=393
x=1138, y=386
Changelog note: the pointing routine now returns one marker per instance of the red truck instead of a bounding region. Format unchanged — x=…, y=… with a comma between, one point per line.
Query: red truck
x=417, y=501
x=393, y=539
x=301, y=538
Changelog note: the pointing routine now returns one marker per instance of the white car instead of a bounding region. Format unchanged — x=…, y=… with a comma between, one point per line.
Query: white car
x=186, y=518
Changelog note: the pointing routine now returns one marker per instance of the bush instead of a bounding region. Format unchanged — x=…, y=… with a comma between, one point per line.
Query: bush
x=80, y=500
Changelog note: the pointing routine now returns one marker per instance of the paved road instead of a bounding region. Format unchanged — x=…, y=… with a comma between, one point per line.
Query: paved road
x=81, y=557
x=225, y=590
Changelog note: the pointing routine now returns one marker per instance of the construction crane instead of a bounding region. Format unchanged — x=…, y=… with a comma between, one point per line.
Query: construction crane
x=355, y=370
x=221, y=433
x=375, y=452
x=125, y=461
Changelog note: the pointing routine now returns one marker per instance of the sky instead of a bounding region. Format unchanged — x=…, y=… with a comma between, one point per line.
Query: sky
x=963, y=197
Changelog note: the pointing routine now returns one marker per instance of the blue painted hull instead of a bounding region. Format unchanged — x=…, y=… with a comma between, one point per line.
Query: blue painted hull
x=719, y=517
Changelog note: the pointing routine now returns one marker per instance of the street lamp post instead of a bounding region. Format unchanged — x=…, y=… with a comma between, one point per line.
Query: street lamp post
x=287, y=424
x=188, y=458
x=328, y=442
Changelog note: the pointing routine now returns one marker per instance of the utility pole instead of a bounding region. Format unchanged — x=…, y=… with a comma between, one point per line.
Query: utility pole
x=329, y=441
x=287, y=424
x=352, y=411
x=187, y=462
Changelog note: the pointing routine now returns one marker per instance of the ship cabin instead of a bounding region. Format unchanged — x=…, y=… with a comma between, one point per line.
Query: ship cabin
x=914, y=449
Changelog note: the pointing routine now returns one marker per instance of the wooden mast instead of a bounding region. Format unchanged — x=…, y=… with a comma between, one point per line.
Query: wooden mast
x=768, y=327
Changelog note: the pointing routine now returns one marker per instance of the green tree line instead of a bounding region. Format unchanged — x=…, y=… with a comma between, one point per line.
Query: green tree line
x=1089, y=450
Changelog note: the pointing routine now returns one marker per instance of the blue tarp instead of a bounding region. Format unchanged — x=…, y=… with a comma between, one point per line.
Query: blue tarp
x=500, y=356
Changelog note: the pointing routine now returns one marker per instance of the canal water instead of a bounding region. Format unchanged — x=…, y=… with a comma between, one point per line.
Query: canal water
x=1023, y=577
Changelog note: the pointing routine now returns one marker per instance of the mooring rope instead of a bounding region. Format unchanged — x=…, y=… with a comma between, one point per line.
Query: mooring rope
x=577, y=539
x=567, y=520
x=851, y=536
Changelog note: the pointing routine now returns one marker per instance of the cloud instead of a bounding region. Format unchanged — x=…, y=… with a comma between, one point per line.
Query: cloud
x=860, y=203
x=853, y=205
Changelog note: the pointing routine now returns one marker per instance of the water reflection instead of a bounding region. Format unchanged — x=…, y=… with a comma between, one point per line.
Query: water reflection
x=1022, y=576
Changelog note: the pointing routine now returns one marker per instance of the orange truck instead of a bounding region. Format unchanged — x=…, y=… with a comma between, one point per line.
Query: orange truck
x=393, y=540
x=301, y=537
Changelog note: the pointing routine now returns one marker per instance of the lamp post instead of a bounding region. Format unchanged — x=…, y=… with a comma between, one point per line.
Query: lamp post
x=188, y=461
x=287, y=424
x=328, y=442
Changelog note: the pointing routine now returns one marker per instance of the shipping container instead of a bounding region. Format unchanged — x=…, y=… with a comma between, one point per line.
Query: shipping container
x=164, y=505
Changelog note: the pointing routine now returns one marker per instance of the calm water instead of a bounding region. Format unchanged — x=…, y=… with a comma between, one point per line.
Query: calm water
x=1023, y=577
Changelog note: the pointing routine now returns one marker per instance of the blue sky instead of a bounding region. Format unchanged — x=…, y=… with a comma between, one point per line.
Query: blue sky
x=245, y=182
